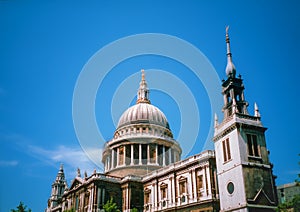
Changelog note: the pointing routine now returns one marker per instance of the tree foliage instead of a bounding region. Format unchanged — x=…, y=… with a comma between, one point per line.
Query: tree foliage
x=21, y=208
x=70, y=210
x=110, y=206
x=298, y=179
x=293, y=205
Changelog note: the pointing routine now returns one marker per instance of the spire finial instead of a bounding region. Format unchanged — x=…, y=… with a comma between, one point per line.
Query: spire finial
x=216, y=121
x=143, y=92
x=143, y=74
x=230, y=68
x=78, y=172
x=256, y=110
x=227, y=36
x=61, y=167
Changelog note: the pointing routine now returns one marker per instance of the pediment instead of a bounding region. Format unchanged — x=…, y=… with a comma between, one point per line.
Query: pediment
x=261, y=198
x=76, y=182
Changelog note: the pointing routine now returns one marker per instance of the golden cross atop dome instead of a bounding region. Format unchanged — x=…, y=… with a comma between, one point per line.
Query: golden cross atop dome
x=143, y=74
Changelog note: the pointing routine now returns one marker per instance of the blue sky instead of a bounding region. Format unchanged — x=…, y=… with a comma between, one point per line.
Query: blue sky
x=45, y=44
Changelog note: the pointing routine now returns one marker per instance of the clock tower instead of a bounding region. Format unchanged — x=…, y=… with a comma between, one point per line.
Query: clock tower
x=245, y=178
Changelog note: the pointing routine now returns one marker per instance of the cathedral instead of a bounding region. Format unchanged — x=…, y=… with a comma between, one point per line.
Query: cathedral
x=143, y=170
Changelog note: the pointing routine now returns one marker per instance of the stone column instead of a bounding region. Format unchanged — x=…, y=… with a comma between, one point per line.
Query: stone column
x=156, y=154
x=190, y=188
x=173, y=190
x=118, y=156
x=91, y=202
x=205, y=181
x=164, y=156
x=170, y=192
x=131, y=160
x=153, y=199
x=112, y=158
x=156, y=197
x=170, y=155
x=148, y=154
x=194, y=184
x=140, y=154
x=124, y=152
x=243, y=96
x=208, y=180
x=225, y=99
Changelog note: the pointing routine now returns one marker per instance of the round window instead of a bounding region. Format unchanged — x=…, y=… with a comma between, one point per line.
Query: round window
x=230, y=187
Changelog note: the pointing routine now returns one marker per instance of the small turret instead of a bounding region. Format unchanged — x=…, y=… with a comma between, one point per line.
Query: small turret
x=216, y=121
x=256, y=110
x=58, y=188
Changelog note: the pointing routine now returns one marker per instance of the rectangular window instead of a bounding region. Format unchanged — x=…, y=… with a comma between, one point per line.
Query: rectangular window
x=86, y=199
x=147, y=196
x=128, y=154
x=199, y=185
x=136, y=153
x=172, y=156
x=199, y=182
x=164, y=193
x=253, y=147
x=115, y=157
x=100, y=196
x=76, y=203
x=160, y=155
x=167, y=153
x=182, y=187
x=144, y=154
x=121, y=155
x=226, y=150
x=152, y=150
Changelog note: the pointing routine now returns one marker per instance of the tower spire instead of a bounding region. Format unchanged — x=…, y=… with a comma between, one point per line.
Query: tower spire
x=233, y=88
x=230, y=68
x=143, y=91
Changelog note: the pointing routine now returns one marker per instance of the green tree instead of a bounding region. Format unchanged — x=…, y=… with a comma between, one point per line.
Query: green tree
x=298, y=179
x=296, y=203
x=110, y=206
x=134, y=210
x=293, y=205
x=70, y=210
x=21, y=208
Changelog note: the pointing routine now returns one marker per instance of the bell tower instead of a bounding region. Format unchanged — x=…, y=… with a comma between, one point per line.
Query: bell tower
x=58, y=188
x=245, y=177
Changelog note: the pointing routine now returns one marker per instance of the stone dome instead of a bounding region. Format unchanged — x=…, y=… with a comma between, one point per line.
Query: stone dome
x=143, y=113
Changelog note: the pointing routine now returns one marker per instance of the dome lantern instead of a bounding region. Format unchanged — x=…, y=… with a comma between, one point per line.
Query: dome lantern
x=143, y=92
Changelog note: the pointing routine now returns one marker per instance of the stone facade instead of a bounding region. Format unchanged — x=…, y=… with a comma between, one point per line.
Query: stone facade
x=143, y=170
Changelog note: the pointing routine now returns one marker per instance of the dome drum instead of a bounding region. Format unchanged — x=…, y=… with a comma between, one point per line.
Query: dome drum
x=140, y=155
